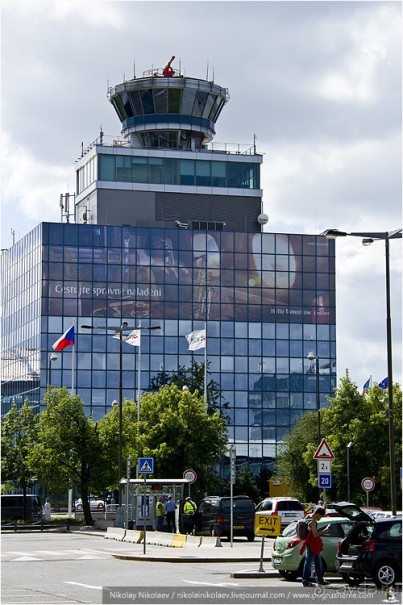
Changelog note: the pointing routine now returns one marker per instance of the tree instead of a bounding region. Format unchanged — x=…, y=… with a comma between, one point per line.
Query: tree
x=69, y=450
x=108, y=433
x=177, y=431
x=262, y=479
x=363, y=420
x=292, y=463
x=246, y=484
x=18, y=437
x=351, y=416
x=191, y=377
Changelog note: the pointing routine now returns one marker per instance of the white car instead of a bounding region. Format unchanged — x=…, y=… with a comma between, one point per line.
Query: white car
x=95, y=504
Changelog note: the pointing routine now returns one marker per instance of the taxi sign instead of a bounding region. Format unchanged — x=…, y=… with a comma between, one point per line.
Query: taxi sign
x=323, y=452
x=267, y=525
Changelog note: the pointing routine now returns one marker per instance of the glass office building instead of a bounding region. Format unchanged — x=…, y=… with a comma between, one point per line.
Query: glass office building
x=168, y=232
x=267, y=301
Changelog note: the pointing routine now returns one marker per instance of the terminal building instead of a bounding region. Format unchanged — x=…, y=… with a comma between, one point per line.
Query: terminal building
x=166, y=229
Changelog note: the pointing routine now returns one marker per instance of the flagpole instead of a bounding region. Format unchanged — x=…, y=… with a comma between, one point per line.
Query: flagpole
x=73, y=360
x=138, y=374
x=205, y=365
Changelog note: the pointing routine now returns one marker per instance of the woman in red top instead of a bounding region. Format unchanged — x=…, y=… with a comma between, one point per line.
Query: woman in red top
x=314, y=546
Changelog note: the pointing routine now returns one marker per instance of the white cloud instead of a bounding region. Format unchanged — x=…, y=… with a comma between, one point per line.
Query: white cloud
x=318, y=82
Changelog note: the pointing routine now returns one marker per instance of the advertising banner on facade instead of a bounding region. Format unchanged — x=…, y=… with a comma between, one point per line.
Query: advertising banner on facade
x=181, y=274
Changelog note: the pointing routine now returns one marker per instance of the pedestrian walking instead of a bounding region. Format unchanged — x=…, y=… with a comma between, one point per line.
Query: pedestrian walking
x=314, y=546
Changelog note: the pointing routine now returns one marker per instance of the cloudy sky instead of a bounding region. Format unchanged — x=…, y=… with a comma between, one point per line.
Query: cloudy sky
x=318, y=83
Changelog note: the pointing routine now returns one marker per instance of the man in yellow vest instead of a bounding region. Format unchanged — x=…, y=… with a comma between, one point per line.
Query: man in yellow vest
x=160, y=512
x=189, y=509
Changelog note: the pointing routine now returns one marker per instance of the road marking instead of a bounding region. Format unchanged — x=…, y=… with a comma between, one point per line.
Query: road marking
x=210, y=583
x=27, y=559
x=85, y=585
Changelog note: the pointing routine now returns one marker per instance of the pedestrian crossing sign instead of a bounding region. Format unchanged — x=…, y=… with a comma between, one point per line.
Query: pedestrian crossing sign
x=146, y=466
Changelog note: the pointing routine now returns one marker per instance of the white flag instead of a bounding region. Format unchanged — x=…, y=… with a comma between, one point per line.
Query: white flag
x=196, y=340
x=133, y=338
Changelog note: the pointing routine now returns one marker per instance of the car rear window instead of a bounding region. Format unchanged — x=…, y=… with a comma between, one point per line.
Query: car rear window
x=239, y=506
x=393, y=531
x=266, y=505
x=289, y=505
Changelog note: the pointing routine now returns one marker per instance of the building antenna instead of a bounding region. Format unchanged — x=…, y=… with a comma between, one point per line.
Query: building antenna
x=134, y=70
x=207, y=71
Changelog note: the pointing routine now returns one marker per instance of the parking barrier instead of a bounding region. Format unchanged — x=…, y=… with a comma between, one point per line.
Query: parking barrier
x=115, y=533
x=133, y=535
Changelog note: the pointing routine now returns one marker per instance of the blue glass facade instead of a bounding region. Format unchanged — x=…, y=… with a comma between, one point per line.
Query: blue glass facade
x=267, y=299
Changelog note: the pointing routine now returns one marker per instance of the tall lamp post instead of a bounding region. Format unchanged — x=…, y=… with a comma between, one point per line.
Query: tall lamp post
x=368, y=239
x=52, y=357
x=119, y=333
x=349, y=446
x=312, y=357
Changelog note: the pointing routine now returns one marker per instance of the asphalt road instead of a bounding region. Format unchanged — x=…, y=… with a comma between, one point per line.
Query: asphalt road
x=61, y=569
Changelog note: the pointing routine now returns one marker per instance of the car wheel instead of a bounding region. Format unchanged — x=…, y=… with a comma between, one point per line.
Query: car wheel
x=384, y=574
x=288, y=575
x=351, y=579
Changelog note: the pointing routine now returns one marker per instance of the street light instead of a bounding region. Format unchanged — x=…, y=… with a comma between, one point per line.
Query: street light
x=349, y=446
x=52, y=357
x=312, y=357
x=119, y=334
x=368, y=239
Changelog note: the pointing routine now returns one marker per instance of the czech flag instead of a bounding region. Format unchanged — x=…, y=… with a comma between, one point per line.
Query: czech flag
x=64, y=341
x=366, y=386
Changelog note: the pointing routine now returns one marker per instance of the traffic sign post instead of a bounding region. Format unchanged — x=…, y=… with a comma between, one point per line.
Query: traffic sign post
x=267, y=525
x=146, y=467
x=191, y=476
x=325, y=480
x=368, y=485
x=325, y=457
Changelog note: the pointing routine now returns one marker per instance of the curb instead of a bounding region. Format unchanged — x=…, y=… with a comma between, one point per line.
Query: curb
x=189, y=559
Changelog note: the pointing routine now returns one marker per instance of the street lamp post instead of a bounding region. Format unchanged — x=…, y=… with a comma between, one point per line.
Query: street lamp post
x=312, y=357
x=368, y=239
x=349, y=446
x=52, y=357
x=119, y=333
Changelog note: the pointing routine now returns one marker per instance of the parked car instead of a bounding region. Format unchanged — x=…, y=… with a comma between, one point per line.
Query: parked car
x=289, y=509
x=213, y=516
x=286, y=558
x=371, y=549
x=95, y=504
x=12, y=507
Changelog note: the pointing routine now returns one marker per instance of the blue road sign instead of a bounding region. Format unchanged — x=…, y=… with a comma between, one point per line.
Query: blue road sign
x=146, y=466
x=325, y=480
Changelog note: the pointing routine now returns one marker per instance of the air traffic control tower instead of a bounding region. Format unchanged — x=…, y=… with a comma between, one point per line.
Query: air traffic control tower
x=165, y=170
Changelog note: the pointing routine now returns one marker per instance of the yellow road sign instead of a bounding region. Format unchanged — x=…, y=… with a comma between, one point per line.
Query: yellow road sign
x=267, y=525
